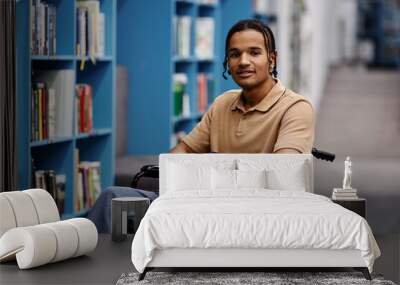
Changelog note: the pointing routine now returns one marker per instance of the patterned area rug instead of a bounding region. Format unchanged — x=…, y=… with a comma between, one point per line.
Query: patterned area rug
x=242, y=278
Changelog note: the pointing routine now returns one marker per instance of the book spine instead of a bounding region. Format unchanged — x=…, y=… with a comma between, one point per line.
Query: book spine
x=179, y=89
x=89, y=187
x=185, y=105
x=37, y=27
x=39, y=178
x=77, y=181
x=93, y=194
x=78, y=30
x=85, y=108
x=90, y=33
x=183, y=35
x=54, y=13
x=38, y=20
x=101, y=35
x=80, y=192
x=82, y=29
x=89, y=103
x=77, y=115
x=204, y=46
x=32, y=23
x=42, y=28
x=52, y=184
x=95, y=179
x=60, y=189
x=46, y=29
x=40, y=114
x=86, y=32
x=175, y=35
x=51, y=113
x=201, y=92
x=46, y=113
x=82, y=108
x=51, y=30
x=36, y=123
x=32, y=114
x=82, y=171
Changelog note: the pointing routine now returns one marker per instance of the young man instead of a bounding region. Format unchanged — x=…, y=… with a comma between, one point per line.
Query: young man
x=262, y=117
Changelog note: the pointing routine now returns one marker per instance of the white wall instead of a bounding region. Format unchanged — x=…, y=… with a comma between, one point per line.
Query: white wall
x=328, y=36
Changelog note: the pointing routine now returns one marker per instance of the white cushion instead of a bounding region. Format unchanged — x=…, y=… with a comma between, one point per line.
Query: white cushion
x=223, y=179
x=23, y=208
x=251, y=178
x=46, y=208
x=226, y=179
x=67, y=240
x=26, y=208
x=184, y=177
x=285, y=163
x=34, y=244
x=293, y=180
x=188, y=174
x=7, y=218
x=87, y=235
x=283, y=174
x=40, y=244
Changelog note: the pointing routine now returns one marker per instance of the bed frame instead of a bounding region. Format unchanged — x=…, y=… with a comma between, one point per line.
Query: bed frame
x=242, y=259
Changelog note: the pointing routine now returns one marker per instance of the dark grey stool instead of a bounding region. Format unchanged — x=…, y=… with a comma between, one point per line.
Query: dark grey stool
x=126, y=214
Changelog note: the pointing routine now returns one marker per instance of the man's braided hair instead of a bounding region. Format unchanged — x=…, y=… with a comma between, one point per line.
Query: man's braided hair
x=251, y=24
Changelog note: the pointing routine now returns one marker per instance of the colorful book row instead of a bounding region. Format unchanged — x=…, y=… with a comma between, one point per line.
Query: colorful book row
x=204, y=37
x=54, y=184
x=43, y=28
x=90, y=29
x=88, y=184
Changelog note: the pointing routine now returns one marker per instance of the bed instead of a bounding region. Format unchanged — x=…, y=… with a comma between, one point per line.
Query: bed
x=247, y=210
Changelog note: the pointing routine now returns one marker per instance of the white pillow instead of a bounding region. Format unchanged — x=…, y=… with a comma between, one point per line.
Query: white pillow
x=184, y=177
x=193, y=174
x=223, y=179
x=251, y=178
x=294, y=180
x=281, y=175
x=236, y=179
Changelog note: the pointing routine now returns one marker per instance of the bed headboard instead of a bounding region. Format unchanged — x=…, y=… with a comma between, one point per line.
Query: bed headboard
x=283, y=164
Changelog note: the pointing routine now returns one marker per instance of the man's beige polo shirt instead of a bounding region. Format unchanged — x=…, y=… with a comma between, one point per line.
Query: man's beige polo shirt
x=283, y=119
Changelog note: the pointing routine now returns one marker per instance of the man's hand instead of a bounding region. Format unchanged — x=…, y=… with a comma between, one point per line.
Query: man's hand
x=182, y=148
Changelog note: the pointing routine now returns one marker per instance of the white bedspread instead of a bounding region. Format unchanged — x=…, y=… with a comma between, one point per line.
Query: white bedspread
x=250, y=219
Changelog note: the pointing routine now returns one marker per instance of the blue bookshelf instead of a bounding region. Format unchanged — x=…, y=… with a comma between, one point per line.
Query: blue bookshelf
x=58, y=153
x=145, y=47
x=378, y=22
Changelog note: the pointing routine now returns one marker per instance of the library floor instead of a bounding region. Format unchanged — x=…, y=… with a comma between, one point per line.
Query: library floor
x=102, y=266
x=110, y=259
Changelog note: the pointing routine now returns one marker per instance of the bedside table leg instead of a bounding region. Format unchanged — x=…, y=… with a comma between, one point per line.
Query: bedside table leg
x=143, y=274
x=364, y=271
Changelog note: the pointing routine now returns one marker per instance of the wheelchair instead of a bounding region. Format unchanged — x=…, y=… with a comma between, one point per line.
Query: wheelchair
x=152, y=171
